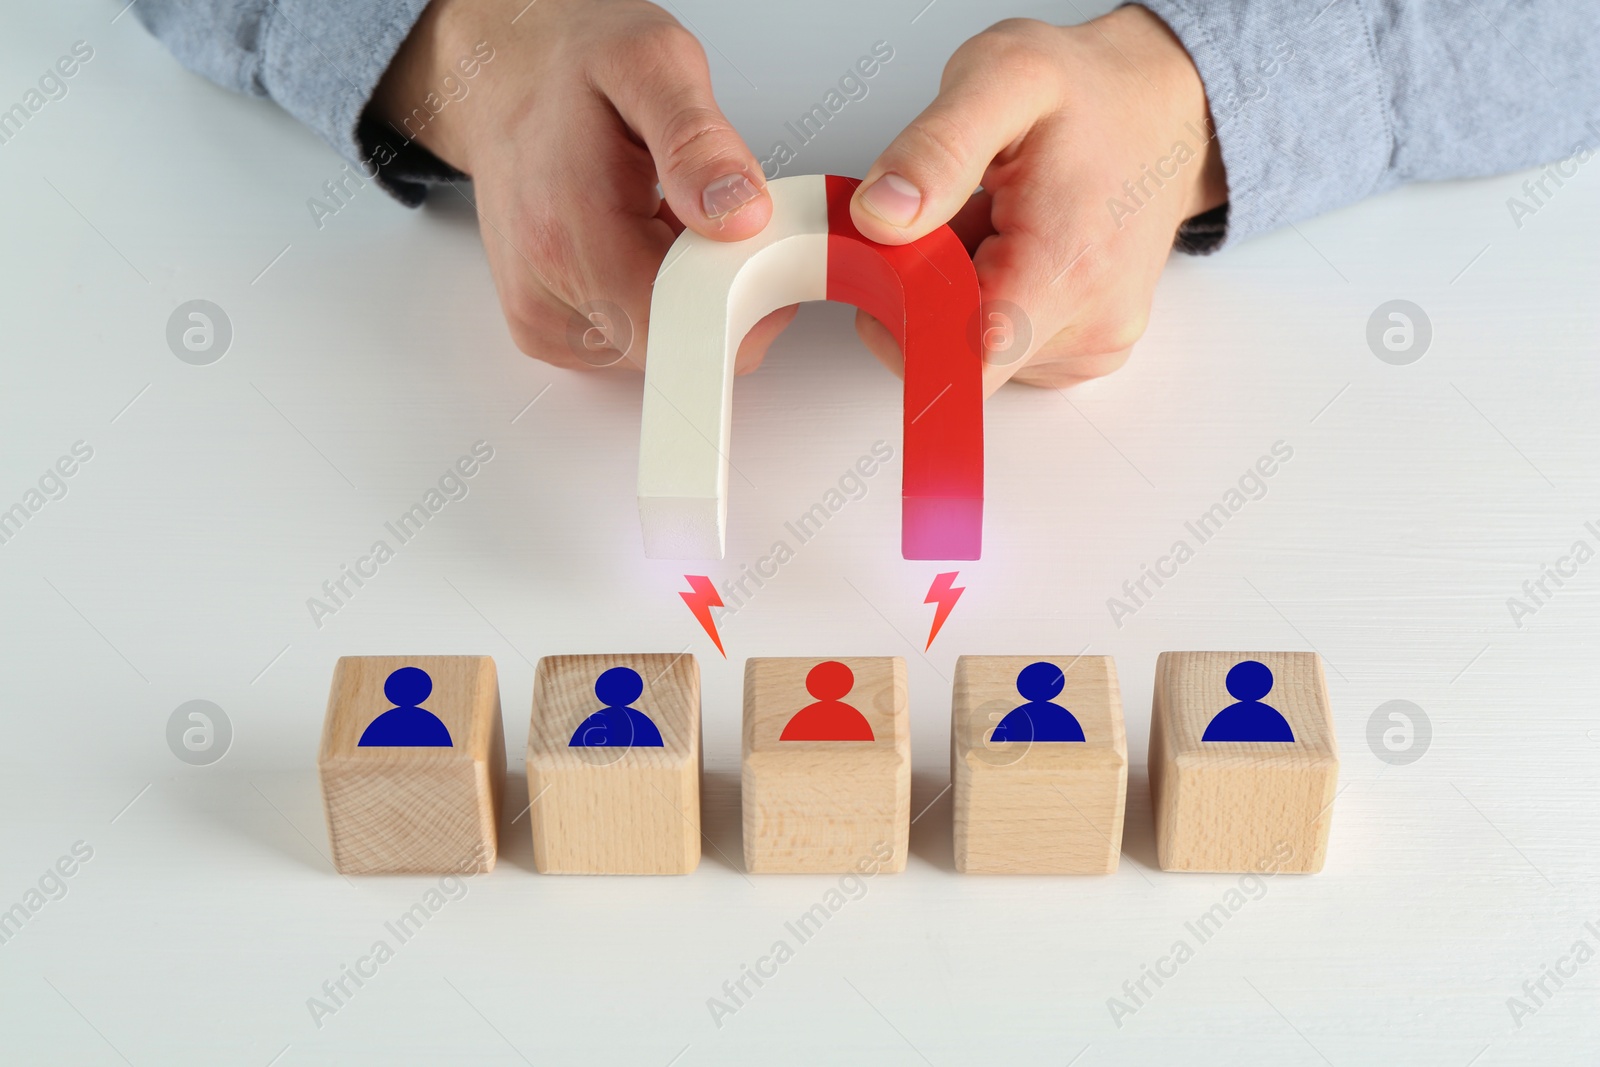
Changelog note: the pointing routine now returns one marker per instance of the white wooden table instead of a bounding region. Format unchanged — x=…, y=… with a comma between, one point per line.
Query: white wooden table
x=367, y=355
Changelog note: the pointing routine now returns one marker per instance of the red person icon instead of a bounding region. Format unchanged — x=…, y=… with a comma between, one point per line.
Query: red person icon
x=830, y=718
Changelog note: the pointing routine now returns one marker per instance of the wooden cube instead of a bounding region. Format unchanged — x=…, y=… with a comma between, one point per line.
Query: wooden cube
x=1243, y=761
x=1038, y=764
x=413, y=764
x=826, y=767
x=614, y=764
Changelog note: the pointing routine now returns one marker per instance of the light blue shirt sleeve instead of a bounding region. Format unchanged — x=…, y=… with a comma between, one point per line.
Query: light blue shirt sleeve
x=1319, y=103
x=320, y=60
x=1316, y=103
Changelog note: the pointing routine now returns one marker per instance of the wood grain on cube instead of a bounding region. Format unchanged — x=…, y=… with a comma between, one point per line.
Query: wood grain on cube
x=825, y=806
x=405, y=810
x=628, y=809
x=1030, y=806
x=1245, y=806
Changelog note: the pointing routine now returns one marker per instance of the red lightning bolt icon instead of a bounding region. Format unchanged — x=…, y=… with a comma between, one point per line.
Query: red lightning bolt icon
x=701, y=596
x=943, y=592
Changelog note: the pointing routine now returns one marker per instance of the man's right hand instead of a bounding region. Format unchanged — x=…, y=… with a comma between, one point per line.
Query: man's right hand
x=585, y=106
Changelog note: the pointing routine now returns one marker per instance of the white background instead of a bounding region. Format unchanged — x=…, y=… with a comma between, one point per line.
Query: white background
x=372, y=353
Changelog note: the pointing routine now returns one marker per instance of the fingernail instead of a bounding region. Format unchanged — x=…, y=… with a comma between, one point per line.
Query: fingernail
x=727, y=195
x=893, y=199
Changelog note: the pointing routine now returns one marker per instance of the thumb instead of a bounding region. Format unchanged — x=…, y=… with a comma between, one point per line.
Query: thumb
x=928, y=173
x=708, y=176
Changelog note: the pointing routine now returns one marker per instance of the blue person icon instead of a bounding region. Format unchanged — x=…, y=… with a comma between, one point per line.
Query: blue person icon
x=406, y=725
x=1249, y=719
x=618, y=724
x=1040, y=719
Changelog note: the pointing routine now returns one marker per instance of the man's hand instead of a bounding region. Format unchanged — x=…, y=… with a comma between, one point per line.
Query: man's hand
x=585, y=106
x=1057, y=124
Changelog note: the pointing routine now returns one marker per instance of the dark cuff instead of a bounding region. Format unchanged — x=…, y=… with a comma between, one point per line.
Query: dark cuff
x=403, y=167
x=1205, y=233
